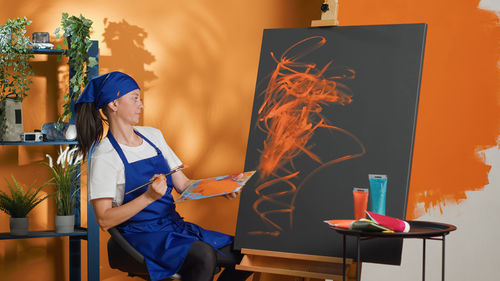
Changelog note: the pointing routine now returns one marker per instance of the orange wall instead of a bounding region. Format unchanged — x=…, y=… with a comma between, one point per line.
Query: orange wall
x=196, y=62
x=459, y=99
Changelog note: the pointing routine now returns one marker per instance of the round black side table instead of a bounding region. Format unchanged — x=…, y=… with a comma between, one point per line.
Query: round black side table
x=418, y=229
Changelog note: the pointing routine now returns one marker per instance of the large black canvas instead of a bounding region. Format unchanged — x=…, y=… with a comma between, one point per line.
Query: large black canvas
x=364, y=125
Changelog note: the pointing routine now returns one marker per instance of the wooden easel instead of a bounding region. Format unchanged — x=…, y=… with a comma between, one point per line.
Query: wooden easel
x=328, y=17
x=305, y=267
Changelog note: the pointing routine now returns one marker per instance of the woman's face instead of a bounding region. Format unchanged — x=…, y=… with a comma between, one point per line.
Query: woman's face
x=129, y=107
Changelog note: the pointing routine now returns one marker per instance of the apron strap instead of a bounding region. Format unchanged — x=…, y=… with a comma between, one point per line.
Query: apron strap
x=151, y=143
x=118, y=149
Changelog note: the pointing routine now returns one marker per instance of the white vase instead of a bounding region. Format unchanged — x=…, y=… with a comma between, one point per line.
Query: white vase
x=19, y=226
x=65, y=224
x=11, y=111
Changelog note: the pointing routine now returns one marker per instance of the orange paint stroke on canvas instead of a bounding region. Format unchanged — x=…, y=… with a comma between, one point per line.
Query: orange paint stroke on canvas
x=294, y=97
x=290, y=115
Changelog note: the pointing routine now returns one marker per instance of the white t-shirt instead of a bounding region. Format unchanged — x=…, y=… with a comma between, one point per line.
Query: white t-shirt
x=107, y=173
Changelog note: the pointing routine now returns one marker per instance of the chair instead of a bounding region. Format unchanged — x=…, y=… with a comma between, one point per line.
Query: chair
x=122, y=256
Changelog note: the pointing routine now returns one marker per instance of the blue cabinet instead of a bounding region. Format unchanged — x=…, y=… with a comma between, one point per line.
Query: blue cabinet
x=91, y=233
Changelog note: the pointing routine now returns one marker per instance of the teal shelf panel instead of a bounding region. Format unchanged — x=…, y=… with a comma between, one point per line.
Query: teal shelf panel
x=48, y=51
x=38, y=142
x=82, y=233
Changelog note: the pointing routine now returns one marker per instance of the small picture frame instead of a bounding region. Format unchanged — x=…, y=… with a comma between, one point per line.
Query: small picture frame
x=41, y=37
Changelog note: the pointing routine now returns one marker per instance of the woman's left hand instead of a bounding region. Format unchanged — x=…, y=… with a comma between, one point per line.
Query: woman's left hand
x=232, y=195
x=235, y=194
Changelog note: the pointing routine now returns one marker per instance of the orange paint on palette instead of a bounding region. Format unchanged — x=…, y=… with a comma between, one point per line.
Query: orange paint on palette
x=458, y=109
x=213, y=187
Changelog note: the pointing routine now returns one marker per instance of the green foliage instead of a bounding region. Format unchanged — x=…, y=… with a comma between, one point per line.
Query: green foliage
x=65, y=175
x=20, y=203
x=66, y=183
x=15, y=69
x=77, y=31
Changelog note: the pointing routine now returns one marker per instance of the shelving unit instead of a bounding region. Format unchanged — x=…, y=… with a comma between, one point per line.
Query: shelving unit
x=91, y=233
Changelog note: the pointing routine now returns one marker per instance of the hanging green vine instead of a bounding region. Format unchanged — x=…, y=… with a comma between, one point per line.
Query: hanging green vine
x=15, y=68
x=77, y=32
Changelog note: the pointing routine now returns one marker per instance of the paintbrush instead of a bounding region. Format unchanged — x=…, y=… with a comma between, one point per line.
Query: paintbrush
x=181, y=167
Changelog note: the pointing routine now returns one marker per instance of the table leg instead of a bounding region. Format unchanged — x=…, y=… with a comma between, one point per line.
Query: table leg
x=423, y=261
x=442, y=261
x=343, y=260
x=358, y=242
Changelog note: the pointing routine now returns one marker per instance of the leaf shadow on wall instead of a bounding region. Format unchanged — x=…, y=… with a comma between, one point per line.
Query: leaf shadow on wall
x=209, y=81
x=128, y=53
x=201, y=85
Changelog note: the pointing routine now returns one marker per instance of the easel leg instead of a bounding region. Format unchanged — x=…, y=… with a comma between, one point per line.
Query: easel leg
x=358, y=274
x=256, y=276
x=343, y=259
x=423, y=261
x=442, y=261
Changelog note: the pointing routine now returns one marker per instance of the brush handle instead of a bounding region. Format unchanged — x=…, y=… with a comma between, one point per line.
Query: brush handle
x=152, y=180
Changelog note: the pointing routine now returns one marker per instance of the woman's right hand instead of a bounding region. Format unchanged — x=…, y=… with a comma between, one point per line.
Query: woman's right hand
x=158, y=188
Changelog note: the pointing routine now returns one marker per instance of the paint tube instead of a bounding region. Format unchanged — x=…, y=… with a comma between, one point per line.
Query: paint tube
x=389, y=222
x=360, y=197
x=378, y=193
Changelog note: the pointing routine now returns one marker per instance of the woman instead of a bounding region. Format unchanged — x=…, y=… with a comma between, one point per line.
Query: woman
x=129, y=157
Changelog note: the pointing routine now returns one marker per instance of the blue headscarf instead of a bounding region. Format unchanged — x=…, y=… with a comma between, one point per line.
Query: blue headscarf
x=106, y=88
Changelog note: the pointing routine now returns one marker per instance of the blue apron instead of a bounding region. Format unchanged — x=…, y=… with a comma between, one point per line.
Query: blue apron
x=158, y=232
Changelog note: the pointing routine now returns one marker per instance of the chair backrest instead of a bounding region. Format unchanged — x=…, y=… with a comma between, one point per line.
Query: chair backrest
x=120, y=240
x=122, y=256
x=125, y=257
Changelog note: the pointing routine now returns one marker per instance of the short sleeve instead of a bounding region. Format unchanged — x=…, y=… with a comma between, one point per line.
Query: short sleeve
x=169, y=155
x=103, y=178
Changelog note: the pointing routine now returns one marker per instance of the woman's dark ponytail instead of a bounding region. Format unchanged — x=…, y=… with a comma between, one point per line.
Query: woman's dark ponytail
x=89, y=126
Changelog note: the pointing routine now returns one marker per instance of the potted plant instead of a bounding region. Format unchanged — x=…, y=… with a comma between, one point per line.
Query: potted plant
x=15, y=76
x=65, y=175
x=77, y=34
x=19, y=203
